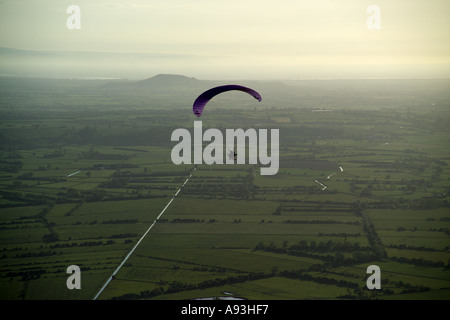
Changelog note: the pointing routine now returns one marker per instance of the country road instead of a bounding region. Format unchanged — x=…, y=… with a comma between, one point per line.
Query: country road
x=325, y=186
x=140, y=240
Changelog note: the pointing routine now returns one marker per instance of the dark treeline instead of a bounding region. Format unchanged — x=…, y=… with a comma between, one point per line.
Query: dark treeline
x=421, y=262
x=72, y=195
x=27, y=275
x=313, y=246
x=113, y=166
x=372, y=235
x=93, y=154
x=178, y=286
x=82, y=244
x=356, y=223
x=316, y=251
x=18, y=222
x=300, y=275
x=10, y=166
x=120, y=221
x=406, y=247
x=76, y=207
x=327, y=246
x=37, y=254
x=319, y=209
x=93, y=135
x=445, y=230
x=179, y=220
x=340, y=234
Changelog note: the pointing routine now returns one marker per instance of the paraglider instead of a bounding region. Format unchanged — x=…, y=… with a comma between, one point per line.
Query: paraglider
x=191, y=144
x=202, y=100
x=232, y=155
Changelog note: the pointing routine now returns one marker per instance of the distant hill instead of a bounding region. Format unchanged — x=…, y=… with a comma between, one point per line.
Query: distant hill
x=169, y=80
x=165, y=82
x=162, y=84
x=181, y=90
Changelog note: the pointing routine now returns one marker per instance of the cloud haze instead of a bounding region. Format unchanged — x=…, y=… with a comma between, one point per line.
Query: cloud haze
x=229, y=39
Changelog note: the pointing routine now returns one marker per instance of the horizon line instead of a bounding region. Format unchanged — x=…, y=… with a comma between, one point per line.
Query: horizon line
x=87, y=78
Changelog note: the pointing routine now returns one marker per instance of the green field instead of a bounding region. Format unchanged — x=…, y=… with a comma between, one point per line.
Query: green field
x=82, y=181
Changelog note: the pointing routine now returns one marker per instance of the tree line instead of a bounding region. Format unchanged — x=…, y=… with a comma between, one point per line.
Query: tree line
x=178, y=286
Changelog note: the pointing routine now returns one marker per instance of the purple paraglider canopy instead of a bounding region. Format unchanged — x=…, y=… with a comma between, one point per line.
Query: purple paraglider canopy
x=202, y=100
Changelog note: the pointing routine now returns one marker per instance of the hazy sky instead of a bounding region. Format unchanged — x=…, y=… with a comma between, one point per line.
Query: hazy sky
x=239, y=39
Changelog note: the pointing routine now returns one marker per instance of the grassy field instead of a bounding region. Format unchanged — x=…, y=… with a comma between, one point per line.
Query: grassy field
x=359, y=185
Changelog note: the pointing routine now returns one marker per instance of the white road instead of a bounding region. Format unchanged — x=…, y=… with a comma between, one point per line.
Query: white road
x=140, y=240
x=324, y=186
x=331, y=175
x=73, y=173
